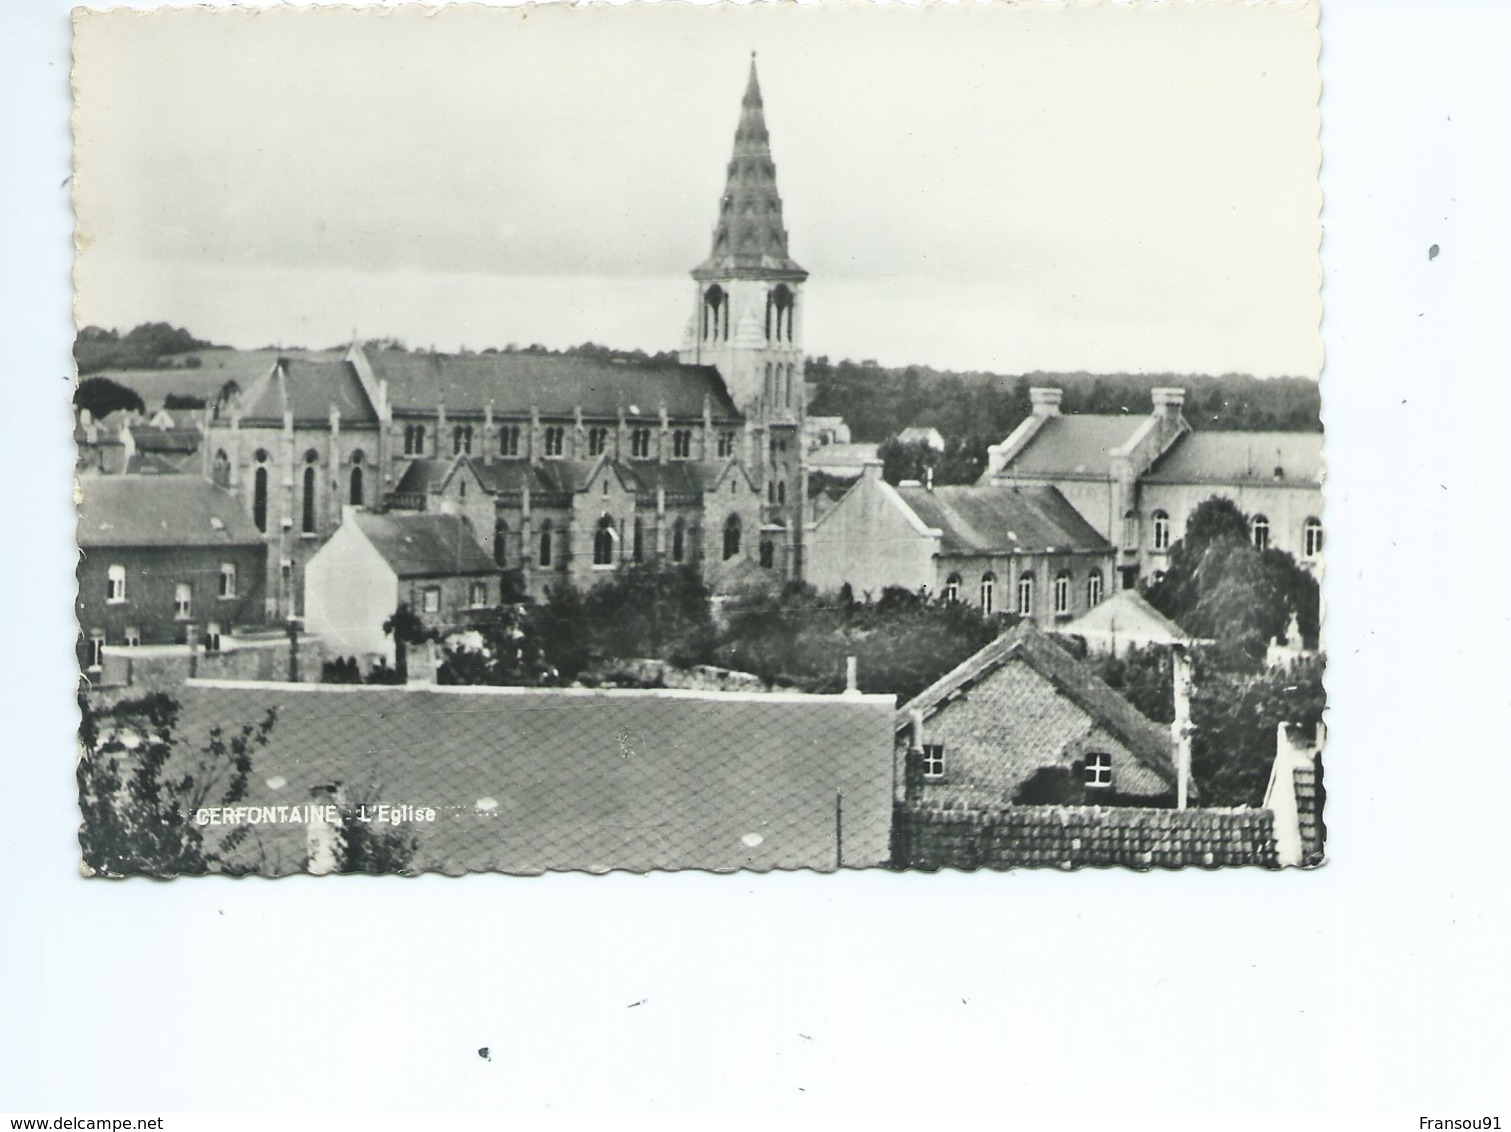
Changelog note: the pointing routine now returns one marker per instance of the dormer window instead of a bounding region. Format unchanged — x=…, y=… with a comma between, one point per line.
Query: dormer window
x=508, y=440
x=556, y=440
x=682, y=444
x=598, y=441
x=640, y=444
x=1098, y=771
x=726, y=447
x=933, y=760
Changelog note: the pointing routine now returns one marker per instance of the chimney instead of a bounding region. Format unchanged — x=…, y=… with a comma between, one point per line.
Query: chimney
x=912, y=767
x=1180, y=727
x=928, y=479
x=852, y=687
x=324, y=843
x=1168, y=402
x=1045, y=402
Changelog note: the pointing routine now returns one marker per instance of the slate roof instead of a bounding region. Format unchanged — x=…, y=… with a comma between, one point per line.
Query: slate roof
x=1002, y=520
x=422, y=477
x=308, y=387
x=424, y=544
x=554, y=385
x=1147, y=741
x=1079, y=836
x=531, y=780
x=1241, y=458
x=205, y=381
x=1078, y=444
x=498, y=476
x=161, y=510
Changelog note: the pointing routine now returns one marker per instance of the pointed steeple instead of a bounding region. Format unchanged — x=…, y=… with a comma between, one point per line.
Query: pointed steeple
x=750, y=240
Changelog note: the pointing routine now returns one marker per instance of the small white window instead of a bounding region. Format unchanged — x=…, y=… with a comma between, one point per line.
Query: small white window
x=1026, y=595
x=1161, y=531
x=682, y=444
x=115, y=590
x=477, y=595
x=1094, y=588
x=131, y=637
x=430, y=599
x=555, y=440
x=989, y=593
x=228, y=579
x=212, y=637
x=183, y=601
x=1098, y=771
x=952, y=588
x=933, y=760
x=1062, y=593
x=1261, y=528
x=1311, y=538
x=96, y=654
x=640, y=444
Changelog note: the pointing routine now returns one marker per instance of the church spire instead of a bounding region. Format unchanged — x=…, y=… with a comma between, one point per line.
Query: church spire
x=750, y=240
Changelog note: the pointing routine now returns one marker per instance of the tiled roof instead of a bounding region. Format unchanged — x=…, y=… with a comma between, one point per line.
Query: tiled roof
x=554, y=385
x=1240, y=458
x=1077, y=836
x=309, y=388
x=161, y=510
x=424, y=544
x=1000, y=520
x=532, y=780
x=1148, y=742
x=1075, y=445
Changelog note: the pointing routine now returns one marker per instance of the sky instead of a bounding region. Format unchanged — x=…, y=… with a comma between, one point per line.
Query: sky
x=1011, y=188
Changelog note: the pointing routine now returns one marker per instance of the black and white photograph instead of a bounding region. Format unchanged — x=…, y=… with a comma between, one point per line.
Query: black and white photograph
x=603, y=439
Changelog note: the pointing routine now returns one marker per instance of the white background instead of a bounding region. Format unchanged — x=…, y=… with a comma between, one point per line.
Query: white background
x=1378, y=982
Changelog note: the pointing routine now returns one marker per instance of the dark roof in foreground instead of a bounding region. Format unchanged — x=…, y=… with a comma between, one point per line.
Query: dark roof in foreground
x=532, y=780
x=555, y=385
x=160, y=510
x=1001, y=520
x=421, y=544
x=1148, y=741
x=1005, y=836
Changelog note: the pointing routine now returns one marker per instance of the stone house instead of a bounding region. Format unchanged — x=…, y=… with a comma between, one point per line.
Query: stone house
x=1023, y=712
x=164, y=559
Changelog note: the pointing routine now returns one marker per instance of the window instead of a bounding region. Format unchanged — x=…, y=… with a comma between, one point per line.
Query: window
x=731, y=537
x=768, y=553
x=952, y=588
x=500, y=542
x=780, y=302
x=212, y=637
x=461, y=490
x=414, y=440
x=1261, y=528
x=356, y=491
x=988, y=592
x=461, y=440
x=604, y=538
x=115, y=585
x=781, y=492
x=1026, y=595
x=260, y=499
x=933, y=760
x=1130, y=529
x=679, y=540
x=1161, y=531
x=1094, y=588
x=598, y=440
x=640, y=444
x=638, y=547
x=1062, y=592
x=1311, y=538
x=131, y=637
x=682, y=444
x=556, y=440
x=183, y=601
x=477, y=595
x=715, y=318
x=726, y=445
x=96, y=650
x=311, y=459
x=228, y=579
x=1098, y=771
x=430, y=599
x=286, y=578
x=508, y=440
x=545, y=543
x=222, y=469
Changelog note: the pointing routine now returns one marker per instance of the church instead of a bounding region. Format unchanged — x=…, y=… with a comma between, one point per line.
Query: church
x=565, y=466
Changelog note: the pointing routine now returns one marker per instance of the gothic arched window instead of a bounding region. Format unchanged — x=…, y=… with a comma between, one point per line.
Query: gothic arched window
x=952, y=588
x=356, y=478
x=311, y=485
x=1311, y=537
x=1026, y=595
x=604, y=539
x=1261, y=528
x=500, y=542
x=1161, y=531
x=1062, y=592
x=715, y=314
x=988, y=592
x=679, y=540
x=545, y=543
x=260, y=492
x=768, y=553
x=1094, y=588
x=731, y=537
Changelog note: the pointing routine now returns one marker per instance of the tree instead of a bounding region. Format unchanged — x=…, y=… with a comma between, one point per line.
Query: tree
x=407, y=629
x=101, y=397
x=511, y=652
x=1221, y=587
x=139, y=791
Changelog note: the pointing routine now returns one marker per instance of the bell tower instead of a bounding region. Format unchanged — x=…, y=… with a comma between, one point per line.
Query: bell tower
x=748, y=323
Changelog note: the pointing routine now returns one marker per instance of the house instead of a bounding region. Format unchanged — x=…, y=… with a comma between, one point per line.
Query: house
x=356, y=580
x=1022, y=721
x=1137, y=480
x=1125, y=620
x=164, y=559
x=1006, y=549
x=529, y=780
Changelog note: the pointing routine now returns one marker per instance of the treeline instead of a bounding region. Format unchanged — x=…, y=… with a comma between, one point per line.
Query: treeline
x=147, y=346
x=975, y=408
